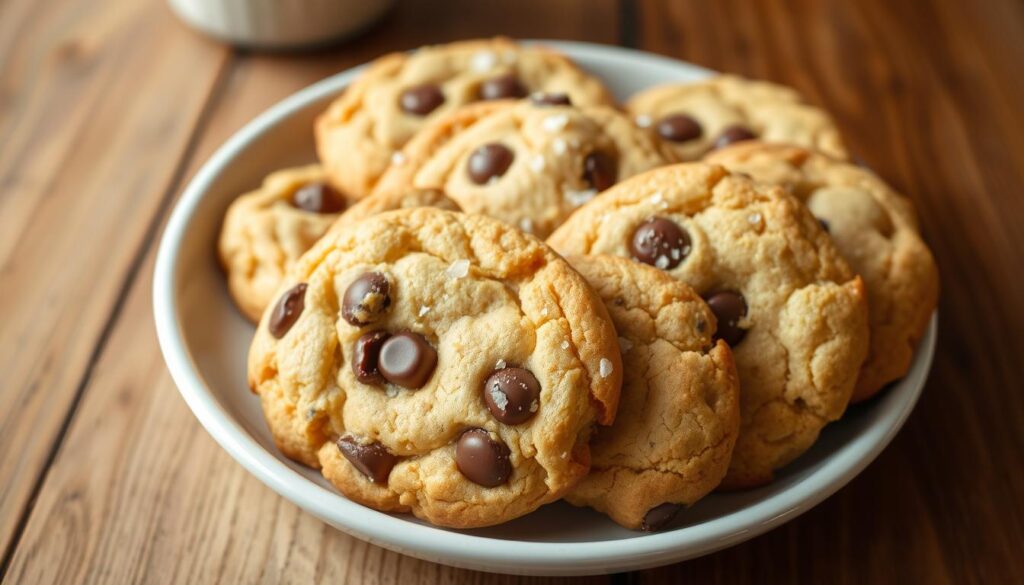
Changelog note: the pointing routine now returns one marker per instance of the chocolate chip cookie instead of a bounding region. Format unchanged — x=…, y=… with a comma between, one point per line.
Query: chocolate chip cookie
x=678, y=414
x=785, y=300
x=690, y=119
x=529, y=163
x=359, y=135
x=266, y=231
x=438, y=363
x=875, y=228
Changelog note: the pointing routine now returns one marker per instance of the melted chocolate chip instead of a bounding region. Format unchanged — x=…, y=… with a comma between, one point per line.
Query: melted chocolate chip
x=422, y=99
x=728, y=307
x=318, y=198
x=366, y=355
x=824, y=225
x=489, y=161
x=366, y=299
x=659, y=516
x=661, y=243
x=512, y=395
x=599, y=170
x=551, y=99
x=733, y=134
x=287, y=310
x=679, y=128
x=407, y=360
x=372, y=459
x=481, y=459
x=505, y=86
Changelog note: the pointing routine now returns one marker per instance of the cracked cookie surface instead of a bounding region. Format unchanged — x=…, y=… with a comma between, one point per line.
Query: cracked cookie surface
x=438, y=363
x=875, y=229
x=793, y=312
x=267, y=230
x=528, y=164
x=678, y=414
x=689, y=119
x=359, y=134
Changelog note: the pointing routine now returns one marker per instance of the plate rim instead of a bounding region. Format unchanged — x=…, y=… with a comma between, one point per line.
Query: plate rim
x=459, y=548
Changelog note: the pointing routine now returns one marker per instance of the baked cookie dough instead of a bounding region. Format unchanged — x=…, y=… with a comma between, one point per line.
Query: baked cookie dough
x=438, y=363
x=266, y=231
x=785, y=300
x=678, y=413
x=529, y=163
x=690, y=119
x=875, y=229
x=363, y=129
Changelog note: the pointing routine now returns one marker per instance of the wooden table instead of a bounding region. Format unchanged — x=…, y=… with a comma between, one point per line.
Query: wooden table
x=107, y=107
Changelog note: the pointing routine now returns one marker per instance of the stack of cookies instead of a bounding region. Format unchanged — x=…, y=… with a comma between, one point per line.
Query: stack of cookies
x=499, y=288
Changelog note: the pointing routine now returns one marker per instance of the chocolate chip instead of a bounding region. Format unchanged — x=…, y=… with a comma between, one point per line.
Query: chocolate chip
x=318, y=197
x=660, y=242
x=679, y=128
x=366, y=299
x=733, y=134
x=551, y=99
x=599, y=170
x=287, y=310
x=372, y=459
x=512, y=395
x=365, y=356
x=489, y=161
x=824, y=225
x=422, y=99
x=407, y=360
x=481, y=459
x=502, y=87
x=659, y=516
x=728, y=307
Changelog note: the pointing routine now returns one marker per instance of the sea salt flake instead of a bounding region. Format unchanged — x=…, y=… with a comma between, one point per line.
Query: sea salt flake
x=544, y=312
x=578, y=198
x=398, y=158
x=537, y=163
x=499, y=365
x=458, y=269
x=559, y=146
x=754, y=218
x=565, y=345
x=526, y=224
x=643, y=121
x=565, y=454
x=676, y=253
x=625, y=344
x=498, y=397
x=534, y=406
x=555, y=123
x=605, y=367
x=424, y=310
x=661, y=262
x=391, y=392
x=483, y=61
x=656, y=198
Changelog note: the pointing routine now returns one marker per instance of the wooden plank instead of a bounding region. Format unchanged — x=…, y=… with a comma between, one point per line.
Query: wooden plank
x=94, y=119
x=138, y=492
x=928, y=94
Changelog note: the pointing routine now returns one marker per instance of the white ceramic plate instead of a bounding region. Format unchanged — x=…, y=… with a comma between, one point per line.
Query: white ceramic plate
x=204, y=341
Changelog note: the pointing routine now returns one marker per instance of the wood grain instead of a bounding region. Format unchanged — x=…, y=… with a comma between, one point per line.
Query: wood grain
x=137, y=485
x=105, y=106
x=94, y=121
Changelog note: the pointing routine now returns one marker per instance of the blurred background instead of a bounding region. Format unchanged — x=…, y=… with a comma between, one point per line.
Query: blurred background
x=108, y=107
